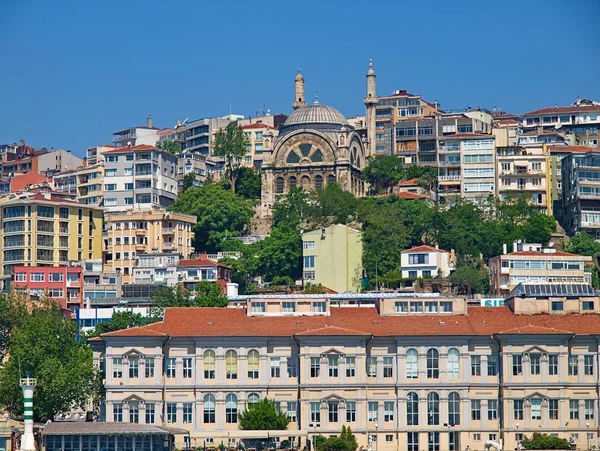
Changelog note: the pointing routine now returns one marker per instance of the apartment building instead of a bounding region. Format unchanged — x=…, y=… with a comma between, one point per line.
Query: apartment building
x=135, y=232
x=203, y=168
x=202, y=269
x=532, y=263
x=43, y=229
x=426, y=261
x=139, y=177
x=199, y=133
x=85, y=184
x=42, y=162
x=332, y=257
x=101, y=288
x=466, y=167
x=258, y=135
x=95, y=155
x=412, y=372
x=156, y=267
x=581, y=193
x=506, y=128
x=136, y=136
x=581, y=120
x=63, y=284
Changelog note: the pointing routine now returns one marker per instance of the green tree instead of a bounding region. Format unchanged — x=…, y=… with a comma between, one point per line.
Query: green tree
x=545, y=441
x=292, y=208
x=248, y=184
x=333, y=205
x=468, y=280
x=13, y=308
x=382, y=172
x=263, y=416
x=220, y=213
x=230, y=144
x=188, y=181
x=46, y=346
x=280, y=254
x=583, y=244
x=345, y=442
x=173, y=147
x=208, y=294
x=118, y=321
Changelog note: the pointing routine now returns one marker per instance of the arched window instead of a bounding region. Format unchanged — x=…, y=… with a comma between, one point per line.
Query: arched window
x=231, y=409
x=433, y=409
x=412, y=409
x=209, y=364
x=412, y=364
x=433, y=363
x=231, y=364
x=305, y=182
x=293, y=158
x=279, y=185
x=318, y=182
x=292, y=181
x=209, y=408
x=453, y=363
x=453, y=408
x=330, y=179
x=253, y=360
x=253, y=398
x=317, y=156
x=305, y=149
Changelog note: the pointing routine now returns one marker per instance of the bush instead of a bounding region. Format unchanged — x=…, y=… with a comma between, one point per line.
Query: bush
x=545, y=441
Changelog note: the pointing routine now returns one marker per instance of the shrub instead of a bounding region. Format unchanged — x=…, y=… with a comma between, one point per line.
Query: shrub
x=544, y=441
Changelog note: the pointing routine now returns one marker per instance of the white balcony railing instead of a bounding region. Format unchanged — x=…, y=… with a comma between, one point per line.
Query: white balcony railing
x=444, y=178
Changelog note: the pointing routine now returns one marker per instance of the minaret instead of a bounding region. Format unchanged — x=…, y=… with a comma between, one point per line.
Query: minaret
x=299, y=99
x=28, y=440
x=371, y=102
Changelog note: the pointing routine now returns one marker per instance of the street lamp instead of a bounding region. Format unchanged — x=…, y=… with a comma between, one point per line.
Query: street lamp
x=517, y=437
x=376, y=436
x=587, y=435
x=314, y=426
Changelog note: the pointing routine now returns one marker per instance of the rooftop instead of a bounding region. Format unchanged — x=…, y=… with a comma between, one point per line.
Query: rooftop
x=423, y=249
x=564, y=109
x=139, y=148
x=468, y=136
x=102, y=428
x=202, y=261
x=258, y=125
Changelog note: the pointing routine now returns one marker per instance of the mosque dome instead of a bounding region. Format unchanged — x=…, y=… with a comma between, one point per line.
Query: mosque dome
x=315, y=114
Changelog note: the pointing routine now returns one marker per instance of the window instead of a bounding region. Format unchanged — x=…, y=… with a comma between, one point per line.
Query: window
x=171, y=412
x=319, y=307
x=388, y=411
x=187, y=368
x=209, y=364
x=315, y=366
x=38, y=277
x=418, y=259
x=433, y=409
x=275, y=367
x=20, y=277
x=389, y=438
x=475, y=365
x=574, y=409
x=557, y=306
x=517, y=365
x=430, y=307
x=588, y=365
x=117, y=368
x=149, y=367
x=412, y=364
x=433, y=364
x=415, y=307
x=231, y=410
x=292, y=411
x=332, y=364
x=445, y=307
x=453, y=408
x=171, y=367
x=371, y=366
x=492, y=365
x=308, y=245
x=315, y=412
x=289, y=307
x=231, y=365
x=588, y=408
x=350, y=411
x=388, y=367
x=292, y=366
x=209, y=408
x=553, y=365
x=536, y=409
x=573, y=370
x=402, y=307
x=110, y=172
x=187, y=413
x=150, y=413
x=587, y=305
x=56, y=277
x=412, y=409
x=258, y=307
x=553, y=409
x=350, y=366
x=134, y=412
x=253, y=398
x=253, y=364
x=453, y=363
x=332, y=408
x=492, y=409
x=518, y=409
x=134, y=366
x=372, y=407
x=475, y=409
x=534, y=363
x=118, y=413
x=413, y=441
x=433, y=440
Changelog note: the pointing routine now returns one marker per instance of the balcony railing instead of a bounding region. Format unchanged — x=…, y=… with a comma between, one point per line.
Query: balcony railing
x=449, y=163
x=445, y=178
x=14, y=229
x=168, y=230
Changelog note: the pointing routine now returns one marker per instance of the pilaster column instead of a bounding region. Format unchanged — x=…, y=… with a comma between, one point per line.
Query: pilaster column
x=443, y=365
x=342, y=373
x=264, y=369
x=544, y=367
x=158, y=369
x=580, y=368
x=484, y=412
x=142, y=370
x=527, y=412
x=243, y=368
x=379, y=369
x=324, y=370
x=220, y=414
x=142, y=412
x=126, y=412
x=110, y=414
x=198, y=408
x=179, y=371
x=125, y=366
x=283, y=368
x=179, y=415
x=484, y=369
x=545, y=412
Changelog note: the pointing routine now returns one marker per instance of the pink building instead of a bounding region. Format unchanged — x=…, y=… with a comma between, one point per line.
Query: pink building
x=64, y=284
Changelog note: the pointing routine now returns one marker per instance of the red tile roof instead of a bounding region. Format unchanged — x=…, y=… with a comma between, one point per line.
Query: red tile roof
x=258, y=125
x=481, y=321
x=573, y=149
x=409, y=182
x=410, y=196
x=564, y=109
x=199, y=262
x=423, y=248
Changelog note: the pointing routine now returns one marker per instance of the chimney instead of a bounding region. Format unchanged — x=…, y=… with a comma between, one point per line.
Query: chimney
x=149, y=121
x=22, y=142
x=232, y=289
x=514, y=246
x=504, y=249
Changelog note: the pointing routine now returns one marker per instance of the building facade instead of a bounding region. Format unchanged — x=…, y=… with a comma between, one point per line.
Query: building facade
x=332, y=257
x=425, y=262
x=190, y=272
x=136, y=136
x=438, y=380
x=256, y=133
x=581, y=193
x=63, y=284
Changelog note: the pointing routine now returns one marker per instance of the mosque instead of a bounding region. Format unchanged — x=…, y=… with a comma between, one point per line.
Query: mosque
x=316, y=146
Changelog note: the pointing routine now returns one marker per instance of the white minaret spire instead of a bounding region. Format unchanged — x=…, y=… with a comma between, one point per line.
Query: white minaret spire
x=371, y=102
x=28, y=386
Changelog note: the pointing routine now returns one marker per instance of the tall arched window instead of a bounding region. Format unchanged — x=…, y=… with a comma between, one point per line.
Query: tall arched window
x=292, y=181
x=279, y=185
x=209, y=364
x=412, y=409
x=412, y=364
x=209, y=408
x=453, y=409
x=231, y=409
x=453, y=363
x=253, y=361
x=318, y=182
x=330, y=179
x=253, y=398
x=231, y=364
x=433, y=409
x=433, y=363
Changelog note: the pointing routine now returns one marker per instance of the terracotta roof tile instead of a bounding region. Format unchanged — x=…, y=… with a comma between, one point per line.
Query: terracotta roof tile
x=332, y=330
x=405, y=195
x=564, y=109
x=132, y=149
x=408, y=182
x=258, y=125
x=199, y=262
x=573, y=149
x=530, y=329
x=423, y=248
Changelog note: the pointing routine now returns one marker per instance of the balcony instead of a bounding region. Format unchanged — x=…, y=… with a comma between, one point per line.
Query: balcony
x=449, y=163
x=168, y=245
x=142, y=232
x=449, y=178
x=141, y=247
x=14, y=229
x=168, y=231
x=446, y=149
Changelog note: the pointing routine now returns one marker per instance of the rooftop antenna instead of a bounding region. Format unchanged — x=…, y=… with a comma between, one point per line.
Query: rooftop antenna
x=316, y=97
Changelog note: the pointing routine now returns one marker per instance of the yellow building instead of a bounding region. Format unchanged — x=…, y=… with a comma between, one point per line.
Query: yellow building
x=143, y=231
x=332, y=257
x=45, y=229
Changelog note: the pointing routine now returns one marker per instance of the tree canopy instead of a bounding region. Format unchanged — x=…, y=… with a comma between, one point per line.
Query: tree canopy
x=208, y=294
x=346, y=441
x=263, y=416
x=583, y=244
x=545, y=441
x=230, y=144
x=247, y=184
x=119, y=321
x=382, y=172
x=173, y=147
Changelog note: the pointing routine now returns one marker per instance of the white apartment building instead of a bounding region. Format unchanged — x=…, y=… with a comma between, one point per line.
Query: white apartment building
x=426, y=261
x=156, y=268
x=136, y=136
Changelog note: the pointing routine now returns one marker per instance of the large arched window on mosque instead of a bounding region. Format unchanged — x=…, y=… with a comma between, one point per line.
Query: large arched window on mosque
x=318, y=182
x=317, y=156
x=330, y=179
x=292, y=181
x=293, y=157
x=305, y=182
x=279, y=185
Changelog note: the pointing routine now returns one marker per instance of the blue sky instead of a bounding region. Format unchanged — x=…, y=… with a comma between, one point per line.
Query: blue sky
x=74, y=71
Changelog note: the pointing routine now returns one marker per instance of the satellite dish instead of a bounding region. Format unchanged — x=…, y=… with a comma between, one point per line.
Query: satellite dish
x=557, y=126
x=396, y=92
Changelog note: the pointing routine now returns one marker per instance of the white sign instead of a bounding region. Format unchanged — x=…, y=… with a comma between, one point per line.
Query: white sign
x=492, y=302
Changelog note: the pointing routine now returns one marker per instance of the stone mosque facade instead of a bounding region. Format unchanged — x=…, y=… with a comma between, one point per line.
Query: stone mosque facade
x=315, y=147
